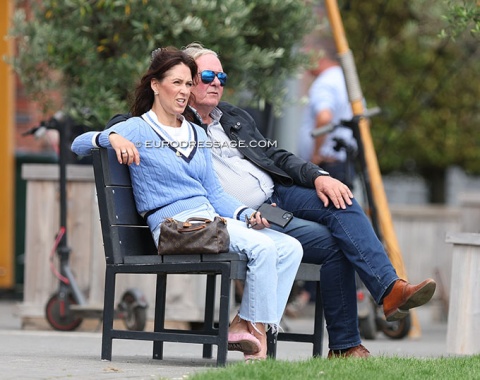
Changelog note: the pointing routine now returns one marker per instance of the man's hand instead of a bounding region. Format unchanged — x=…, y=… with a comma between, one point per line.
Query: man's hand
x=127, y=152
x=329, y=188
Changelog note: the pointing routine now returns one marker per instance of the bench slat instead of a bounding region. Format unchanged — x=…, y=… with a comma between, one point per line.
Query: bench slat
x=131, y=241
x=115, y=174
x=121, y=206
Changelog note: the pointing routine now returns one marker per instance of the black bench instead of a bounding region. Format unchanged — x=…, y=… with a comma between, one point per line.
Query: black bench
x=129, y=248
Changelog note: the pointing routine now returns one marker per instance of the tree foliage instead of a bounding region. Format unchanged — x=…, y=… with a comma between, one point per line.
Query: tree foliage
x=426, y=86
x=462, y=17
x=93, y=51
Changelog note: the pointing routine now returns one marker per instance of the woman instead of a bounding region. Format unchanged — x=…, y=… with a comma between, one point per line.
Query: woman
x=172, y=176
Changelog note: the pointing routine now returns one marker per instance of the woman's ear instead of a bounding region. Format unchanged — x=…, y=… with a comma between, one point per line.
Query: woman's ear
x=153, y=85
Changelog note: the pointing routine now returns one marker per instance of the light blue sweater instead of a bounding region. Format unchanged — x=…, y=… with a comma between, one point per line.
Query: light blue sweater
x=164, y=181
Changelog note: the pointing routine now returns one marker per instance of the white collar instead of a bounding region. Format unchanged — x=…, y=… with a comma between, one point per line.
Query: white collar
x=183, y=144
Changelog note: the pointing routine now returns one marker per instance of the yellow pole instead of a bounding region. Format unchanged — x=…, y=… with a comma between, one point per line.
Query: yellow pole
x=378, y=192
x=7, y=274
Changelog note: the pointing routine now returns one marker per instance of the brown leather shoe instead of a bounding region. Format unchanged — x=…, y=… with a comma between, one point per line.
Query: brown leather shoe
x=405, y=296
x=354, y=352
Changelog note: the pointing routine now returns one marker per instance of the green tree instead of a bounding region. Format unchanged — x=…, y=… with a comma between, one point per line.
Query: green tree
x=93, y=51
x=427, y=87
x=462, y=17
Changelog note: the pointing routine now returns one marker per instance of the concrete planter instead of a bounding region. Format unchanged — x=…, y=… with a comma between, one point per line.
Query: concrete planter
x=463, y=331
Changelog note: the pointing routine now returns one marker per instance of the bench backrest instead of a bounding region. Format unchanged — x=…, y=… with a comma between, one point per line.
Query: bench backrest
x=124, y=231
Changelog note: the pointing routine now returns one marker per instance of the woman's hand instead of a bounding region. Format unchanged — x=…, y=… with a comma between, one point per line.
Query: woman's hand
x=127, y=152
x=257, y=222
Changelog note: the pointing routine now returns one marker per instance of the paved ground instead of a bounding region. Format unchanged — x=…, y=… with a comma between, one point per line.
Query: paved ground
x=27, y=354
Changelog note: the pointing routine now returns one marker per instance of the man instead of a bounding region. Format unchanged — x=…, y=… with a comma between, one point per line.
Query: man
x=256, y=174
x=328, y=103
x=329, y=223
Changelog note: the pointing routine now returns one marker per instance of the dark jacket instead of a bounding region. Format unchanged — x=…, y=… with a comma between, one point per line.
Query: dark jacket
x=284, y=167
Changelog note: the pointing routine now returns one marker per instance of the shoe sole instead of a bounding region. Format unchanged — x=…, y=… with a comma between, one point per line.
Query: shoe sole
x=243, y=342
x=419, y=298
x=245, y=346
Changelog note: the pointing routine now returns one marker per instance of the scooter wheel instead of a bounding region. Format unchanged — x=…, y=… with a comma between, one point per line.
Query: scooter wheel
x=133, y=315
x=59, y=315
x=397, y=329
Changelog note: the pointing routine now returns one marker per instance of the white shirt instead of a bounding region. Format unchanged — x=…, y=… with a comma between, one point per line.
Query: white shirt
x=328, y=91
x=238, y=176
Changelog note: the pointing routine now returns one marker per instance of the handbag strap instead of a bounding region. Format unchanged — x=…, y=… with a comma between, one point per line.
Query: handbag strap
x=198, y=219
x=188, y=226
x=191, y=228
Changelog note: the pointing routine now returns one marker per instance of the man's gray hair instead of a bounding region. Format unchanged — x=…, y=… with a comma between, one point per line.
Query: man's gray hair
x=196, y=50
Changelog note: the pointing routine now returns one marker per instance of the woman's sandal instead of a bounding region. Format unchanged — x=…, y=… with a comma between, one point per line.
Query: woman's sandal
x=244, y=342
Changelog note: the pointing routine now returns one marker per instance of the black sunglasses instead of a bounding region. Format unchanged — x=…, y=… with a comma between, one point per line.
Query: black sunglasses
x=207, y=76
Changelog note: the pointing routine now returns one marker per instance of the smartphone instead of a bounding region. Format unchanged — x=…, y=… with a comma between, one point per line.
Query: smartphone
x=275, y=214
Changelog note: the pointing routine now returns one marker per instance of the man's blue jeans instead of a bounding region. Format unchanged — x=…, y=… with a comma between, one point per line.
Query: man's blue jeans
x=343, y=241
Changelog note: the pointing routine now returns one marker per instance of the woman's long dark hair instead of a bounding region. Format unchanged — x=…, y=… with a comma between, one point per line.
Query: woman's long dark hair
x=163, y=59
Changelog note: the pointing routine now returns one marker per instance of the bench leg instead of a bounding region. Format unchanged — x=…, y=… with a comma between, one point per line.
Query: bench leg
x=209, y=312
x=318, y=324
x=108, y=314
x=223, y=317
x=159, y=322
x=272, y=344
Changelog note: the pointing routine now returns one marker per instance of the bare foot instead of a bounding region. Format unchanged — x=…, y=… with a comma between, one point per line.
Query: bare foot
x=240, y=338
x=258, y=330
x=238, y=325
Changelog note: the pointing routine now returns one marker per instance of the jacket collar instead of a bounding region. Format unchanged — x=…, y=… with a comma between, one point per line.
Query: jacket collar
x=192, y=115
x=231, y=118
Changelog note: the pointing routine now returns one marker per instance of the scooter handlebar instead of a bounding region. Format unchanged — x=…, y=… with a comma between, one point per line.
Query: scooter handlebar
x=330, y=127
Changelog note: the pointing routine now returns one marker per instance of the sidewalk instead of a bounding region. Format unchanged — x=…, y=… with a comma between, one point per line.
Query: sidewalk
x=27, y=354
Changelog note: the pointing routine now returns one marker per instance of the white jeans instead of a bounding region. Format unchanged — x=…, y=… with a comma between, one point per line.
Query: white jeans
x=273, y=261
